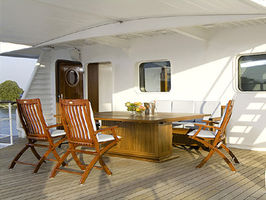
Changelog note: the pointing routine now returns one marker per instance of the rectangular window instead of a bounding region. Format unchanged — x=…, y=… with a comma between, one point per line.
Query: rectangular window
x=155, y=76
x=252, y=73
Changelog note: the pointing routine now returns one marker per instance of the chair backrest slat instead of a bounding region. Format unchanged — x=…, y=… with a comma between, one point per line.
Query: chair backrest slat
x=83, y=124
x=71, y=116
x=78, y=117
x=225, y=117
x=31, y=117
x=75, y=120
x=79, y=125
x=36, y=120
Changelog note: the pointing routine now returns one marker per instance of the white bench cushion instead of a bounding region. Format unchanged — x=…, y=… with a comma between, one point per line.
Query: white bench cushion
x=202, y=133
x=105, y=137
x=56, y=133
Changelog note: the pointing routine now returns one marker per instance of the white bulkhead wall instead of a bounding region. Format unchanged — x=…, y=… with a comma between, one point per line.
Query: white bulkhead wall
x=201, y=70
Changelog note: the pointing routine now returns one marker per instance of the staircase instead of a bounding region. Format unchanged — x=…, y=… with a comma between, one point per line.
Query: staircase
x=40, y=87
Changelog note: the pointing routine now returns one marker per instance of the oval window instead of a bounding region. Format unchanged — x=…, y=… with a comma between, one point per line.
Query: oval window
x=72, y=77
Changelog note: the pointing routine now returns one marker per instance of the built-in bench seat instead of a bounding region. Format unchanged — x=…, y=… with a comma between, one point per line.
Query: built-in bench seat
x=181, y=128
x=179, y=106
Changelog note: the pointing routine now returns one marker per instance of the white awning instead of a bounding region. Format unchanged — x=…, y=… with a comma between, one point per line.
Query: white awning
x=50, y=21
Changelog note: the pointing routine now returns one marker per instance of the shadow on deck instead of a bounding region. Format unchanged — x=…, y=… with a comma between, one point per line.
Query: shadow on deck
x=133, y=179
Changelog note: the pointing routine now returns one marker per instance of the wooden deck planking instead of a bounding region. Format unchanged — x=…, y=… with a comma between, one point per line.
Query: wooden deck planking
x=193, y=184
x=133, y=179
x=228, y=184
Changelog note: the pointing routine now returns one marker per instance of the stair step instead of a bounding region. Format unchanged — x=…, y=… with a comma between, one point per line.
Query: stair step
x=44, y=98
x=42, y=87
x=41, y=93
x=41, y=81
x=43, y=72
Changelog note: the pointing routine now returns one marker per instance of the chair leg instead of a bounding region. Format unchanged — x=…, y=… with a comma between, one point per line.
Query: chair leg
x=35, y=152
x=205, y=159
x=13, y=163
x=62, y=159
x=57, y=144
x=42, y=160
x=230, y=153
x=104, y=166
x=58, y=157
x=77, y=160
x=88, y=169
x=94, y=160
x=225, y=159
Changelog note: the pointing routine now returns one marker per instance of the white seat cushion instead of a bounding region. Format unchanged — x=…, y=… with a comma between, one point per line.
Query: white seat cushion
x=202, y=133
x=105, y=137
x=183, y=124
x=56, y=133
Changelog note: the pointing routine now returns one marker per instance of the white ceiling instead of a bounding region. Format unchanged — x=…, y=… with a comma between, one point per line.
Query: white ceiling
x=35, y=22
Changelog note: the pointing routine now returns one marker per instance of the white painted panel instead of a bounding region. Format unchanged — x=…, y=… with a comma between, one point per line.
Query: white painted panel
x=183, y=106
x=208, y=107
x=105, y=87
x=163, y=106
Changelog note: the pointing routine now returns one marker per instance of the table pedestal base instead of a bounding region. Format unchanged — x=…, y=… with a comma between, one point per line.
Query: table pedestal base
x=145, y=141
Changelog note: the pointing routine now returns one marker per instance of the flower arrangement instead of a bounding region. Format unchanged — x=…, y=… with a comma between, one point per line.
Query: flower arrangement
x=136, y=106
x=140, y=109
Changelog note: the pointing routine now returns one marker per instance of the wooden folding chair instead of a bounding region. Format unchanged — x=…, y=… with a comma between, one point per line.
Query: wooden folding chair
x=79, y=124
x=33, y=123
x=216, y=134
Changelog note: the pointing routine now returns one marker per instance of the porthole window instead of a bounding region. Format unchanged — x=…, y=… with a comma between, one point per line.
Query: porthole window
x=155, y=76
x=72, y=77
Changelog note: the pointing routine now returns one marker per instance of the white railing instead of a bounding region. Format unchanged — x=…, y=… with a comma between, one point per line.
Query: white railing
x=9, y=118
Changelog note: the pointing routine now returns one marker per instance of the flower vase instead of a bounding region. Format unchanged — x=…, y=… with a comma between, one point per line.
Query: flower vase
x=139, y=113
x=132, y=112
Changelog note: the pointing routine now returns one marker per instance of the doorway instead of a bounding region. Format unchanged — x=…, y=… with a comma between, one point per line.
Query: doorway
x=69, y=81
x=100, y=86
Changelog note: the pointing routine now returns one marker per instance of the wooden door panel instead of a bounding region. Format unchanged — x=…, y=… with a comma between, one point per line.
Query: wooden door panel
x=69, y=81
x=93, y=85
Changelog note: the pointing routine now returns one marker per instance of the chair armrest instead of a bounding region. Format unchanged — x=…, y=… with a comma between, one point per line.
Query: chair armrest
x=106, y=129
x=57, y=116
x=54, y=125
x=207, y=122
x=203, y=126
x=109, y=129
x=214, y=119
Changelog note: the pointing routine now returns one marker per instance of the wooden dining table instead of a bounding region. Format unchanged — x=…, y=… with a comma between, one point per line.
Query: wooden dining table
x=146, y=137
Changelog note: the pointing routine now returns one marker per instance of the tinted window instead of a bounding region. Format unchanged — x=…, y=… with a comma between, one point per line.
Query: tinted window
x=252, y=73
x=155, y=76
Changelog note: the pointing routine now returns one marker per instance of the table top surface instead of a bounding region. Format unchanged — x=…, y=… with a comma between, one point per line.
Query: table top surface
x=157, y=117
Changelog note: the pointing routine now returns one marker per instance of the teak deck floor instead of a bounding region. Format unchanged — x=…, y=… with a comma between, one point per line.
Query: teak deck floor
x=134, y=179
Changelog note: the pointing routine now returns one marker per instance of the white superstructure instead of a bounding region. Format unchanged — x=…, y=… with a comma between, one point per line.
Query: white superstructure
x=201, y=39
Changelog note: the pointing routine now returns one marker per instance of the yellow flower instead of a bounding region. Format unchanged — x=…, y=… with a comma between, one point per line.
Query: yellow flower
x=137, y=109
x=127, y=104
x=138, y=103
